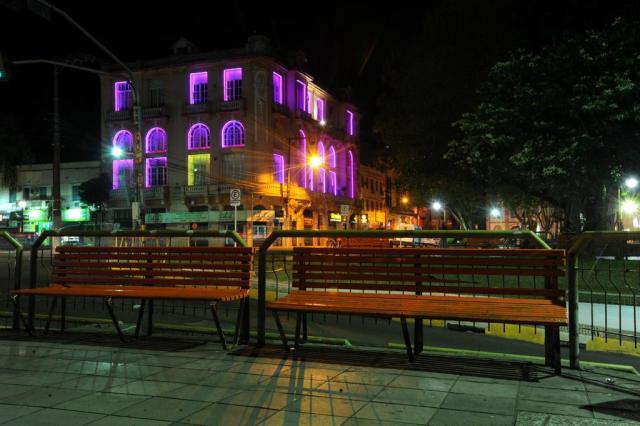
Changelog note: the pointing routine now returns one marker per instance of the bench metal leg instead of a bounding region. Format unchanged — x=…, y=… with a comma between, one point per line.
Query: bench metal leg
x=296, y=343
x=241, y=308
x=305, y=330
x=63, y=313
x=21, y=315
x=281, y=331
x=552, y=353
x=109, y=306
x=418, y=344
x=407, y=338
x=150, y=319
x=54, y=302
x=214, y=313
x=143, y=302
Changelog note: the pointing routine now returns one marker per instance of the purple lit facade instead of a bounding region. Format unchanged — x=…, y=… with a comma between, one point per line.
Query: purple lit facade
x=231, y=120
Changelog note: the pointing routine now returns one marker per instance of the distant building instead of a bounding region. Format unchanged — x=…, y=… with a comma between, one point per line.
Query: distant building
x=33, y=186
x=226, y=119
x=372, y=198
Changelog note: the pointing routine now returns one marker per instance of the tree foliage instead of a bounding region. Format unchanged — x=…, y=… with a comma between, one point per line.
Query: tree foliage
x=560, y=126
x=95, y=192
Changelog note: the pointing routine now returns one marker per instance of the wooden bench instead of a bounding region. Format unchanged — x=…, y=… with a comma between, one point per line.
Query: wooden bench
x=147, y=273
x=479, y=285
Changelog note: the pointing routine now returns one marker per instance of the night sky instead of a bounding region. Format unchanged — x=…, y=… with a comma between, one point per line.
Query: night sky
x=356, y=45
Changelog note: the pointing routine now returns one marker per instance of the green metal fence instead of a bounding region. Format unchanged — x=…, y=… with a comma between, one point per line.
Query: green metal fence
x=17, y=271
x=526, y=238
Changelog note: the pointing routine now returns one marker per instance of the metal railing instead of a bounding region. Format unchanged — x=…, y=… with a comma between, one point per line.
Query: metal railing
x=41, y=258
x=604, y=277
x=17, y=272
x=315, y=237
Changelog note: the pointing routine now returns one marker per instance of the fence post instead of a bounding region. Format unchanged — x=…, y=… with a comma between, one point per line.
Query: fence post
x=262, y=294
x=574, y=336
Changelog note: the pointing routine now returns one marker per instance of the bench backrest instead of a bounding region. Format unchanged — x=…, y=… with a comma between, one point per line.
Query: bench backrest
x=155, y=266
x=422, y=271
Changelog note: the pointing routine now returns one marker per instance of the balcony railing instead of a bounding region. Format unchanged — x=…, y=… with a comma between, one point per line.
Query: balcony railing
x=121, y=194
x=235, y=105
x=122, y=115
x=281, y=109
x=153, y=193
x=195, y=190
x=203, y=108
x=155, y=112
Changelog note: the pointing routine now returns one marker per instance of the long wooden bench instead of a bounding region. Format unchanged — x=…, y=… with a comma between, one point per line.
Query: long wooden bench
x=479, y=285
x=212, y=274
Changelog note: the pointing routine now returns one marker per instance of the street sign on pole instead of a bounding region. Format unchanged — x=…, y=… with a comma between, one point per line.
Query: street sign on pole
x=345, y=209
x=235, y=196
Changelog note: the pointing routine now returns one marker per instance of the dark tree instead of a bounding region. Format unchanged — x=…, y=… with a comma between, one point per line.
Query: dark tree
x=95, y=193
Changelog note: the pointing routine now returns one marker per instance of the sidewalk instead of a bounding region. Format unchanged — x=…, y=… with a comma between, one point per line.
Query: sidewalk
x=92, y=379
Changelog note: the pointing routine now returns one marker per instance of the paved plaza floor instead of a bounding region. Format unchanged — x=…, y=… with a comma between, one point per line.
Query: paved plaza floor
x=80, y=378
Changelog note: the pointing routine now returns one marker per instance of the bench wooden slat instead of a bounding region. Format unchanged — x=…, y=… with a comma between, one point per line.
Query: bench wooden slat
x=150, y=281
x=313, y=261
x=58, y=272
x=434, y=251
x=168, y=257
x=357, y=275
x=107, y=249
x=243, y=267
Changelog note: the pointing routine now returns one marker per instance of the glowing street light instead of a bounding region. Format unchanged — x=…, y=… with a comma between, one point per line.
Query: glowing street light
x=315, y=161
x=495, y=212
x=629, y=206
x=436, y=205
x=631, y=183
x=323, y=123
x=405, y=200
x=117, y=152
x=22, y=204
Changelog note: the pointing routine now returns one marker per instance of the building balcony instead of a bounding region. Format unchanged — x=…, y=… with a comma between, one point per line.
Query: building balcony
x=122, y=115
x=235, y=105
x=155, y=112
x=192, y=190
x=153, y=193
x=119, y=194
x=281, y=109
x=203, y=108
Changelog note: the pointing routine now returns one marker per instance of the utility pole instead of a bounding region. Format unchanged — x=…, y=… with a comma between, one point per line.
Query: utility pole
x=55, y=212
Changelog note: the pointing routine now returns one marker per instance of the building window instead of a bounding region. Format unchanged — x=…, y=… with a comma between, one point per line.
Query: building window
x=75, y=193
x=350, y=174
x=350, y=125
x=122, y=174
x=319, y=111
x=333, y=177
x=123, y=93
x=278, y=168
x=198, y=87
x=198, y=137
x=232, y=134
x=26, y=193
x=124, y=140
x=13, y=196
x=156, y=171
x=156, y=140
x=232, y=166
x=322, y=174
x=156, y=93
x=232, y=84
x=301, y=95
x=302, y=159
x=198, y=169
x=278, y=86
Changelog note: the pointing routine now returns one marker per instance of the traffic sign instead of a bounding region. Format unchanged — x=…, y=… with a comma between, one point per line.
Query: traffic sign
x=234, y=197
x=344, y=209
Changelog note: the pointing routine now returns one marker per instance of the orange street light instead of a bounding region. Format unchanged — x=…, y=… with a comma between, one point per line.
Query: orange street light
x=315, y=161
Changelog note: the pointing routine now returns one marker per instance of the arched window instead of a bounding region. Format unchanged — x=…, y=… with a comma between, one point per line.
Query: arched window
x=333, y=178
x=156, y=140
x=198, y=137
x=302, y=159
x=124, y=140
x=322, y=174
x=350, y=175
x=232, y=134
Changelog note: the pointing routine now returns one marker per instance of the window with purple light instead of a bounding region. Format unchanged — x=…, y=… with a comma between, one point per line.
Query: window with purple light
x=301, y=95
x=122, y=174
x=198, y=137
x=123, y=95
x=309, y=107
x=124, y=140
x=232, y=80
x=333, y=183
x=156, y=141
x=232, y=134
x=351, y=174
x=278, y=86
x=198, y=87
x=302, y=159
x=320, y=116
x=278, y=168
x=156, y=171
x=322, y=175
x=350, y=123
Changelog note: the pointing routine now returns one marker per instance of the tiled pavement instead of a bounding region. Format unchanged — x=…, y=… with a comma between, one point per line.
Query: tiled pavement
x=94, y=380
